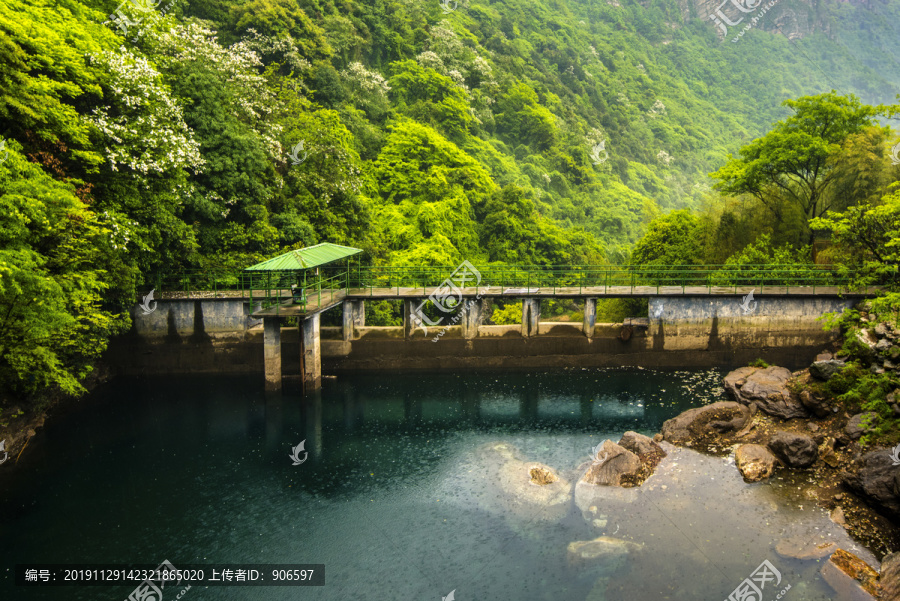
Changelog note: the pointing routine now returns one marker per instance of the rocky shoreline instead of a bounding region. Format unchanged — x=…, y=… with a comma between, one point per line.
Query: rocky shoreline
x=798, y=428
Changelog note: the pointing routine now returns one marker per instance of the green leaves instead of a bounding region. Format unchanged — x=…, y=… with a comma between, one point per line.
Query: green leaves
x=795, y=163
x=867, y=240
x=46, y=78
x=54, y=262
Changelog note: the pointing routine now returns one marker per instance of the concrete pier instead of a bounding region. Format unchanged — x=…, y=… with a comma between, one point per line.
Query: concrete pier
x=472, y=313
x=590, y=317
x=272, y=352
x=311, y=348
x=409, y=327
x=531, y=316
x=354, y=318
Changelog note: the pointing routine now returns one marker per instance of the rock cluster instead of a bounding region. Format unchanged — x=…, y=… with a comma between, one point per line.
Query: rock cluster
x=881, y=346
x=625, y=464
x=822, y=437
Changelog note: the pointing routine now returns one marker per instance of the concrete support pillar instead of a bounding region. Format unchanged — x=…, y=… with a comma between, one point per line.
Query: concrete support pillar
x=354, y=318
x=409, y=325
x=531, y=316
x=590, y=317
x=471, y=317
x=272, y=352
x=312, y=355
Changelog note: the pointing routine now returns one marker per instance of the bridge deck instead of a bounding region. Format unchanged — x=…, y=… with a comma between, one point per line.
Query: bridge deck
x=316, y=303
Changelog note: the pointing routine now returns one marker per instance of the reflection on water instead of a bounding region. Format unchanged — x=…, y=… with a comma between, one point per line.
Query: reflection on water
x=404, y=494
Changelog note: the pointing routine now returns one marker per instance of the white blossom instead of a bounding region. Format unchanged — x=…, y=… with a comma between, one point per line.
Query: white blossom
x=368, y=81
x=142, y=122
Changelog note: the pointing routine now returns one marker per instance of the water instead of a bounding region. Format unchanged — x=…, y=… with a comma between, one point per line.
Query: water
x=398, y=497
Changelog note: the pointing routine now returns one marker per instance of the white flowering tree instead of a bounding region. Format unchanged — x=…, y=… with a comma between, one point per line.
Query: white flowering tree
x=141, y=123
x=230, y=105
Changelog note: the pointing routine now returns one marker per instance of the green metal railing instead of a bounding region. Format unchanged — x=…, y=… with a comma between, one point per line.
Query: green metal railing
x=607, y=277
x=274, y=288
x=264, y=289
x=313, y=294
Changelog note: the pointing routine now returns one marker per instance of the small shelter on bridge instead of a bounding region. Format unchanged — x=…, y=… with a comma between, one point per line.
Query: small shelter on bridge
x=301, y=284
x=300, y=281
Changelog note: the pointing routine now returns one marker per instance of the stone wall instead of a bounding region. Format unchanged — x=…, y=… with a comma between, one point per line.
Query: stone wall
x=217, y=335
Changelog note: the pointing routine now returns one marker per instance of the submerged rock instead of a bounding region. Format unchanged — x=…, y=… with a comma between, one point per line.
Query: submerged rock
x=603, y=549
x=804, y=549
x=611, y=465
x=767, y=388
x=535, y=490
x=876, y=477
x=850, y=577
x=701, y=423
x=794, y=450
x=755, y=462
x=837, y=516
x=520, y=490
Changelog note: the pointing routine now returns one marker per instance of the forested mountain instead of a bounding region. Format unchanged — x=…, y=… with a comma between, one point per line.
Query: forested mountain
x=142, y=136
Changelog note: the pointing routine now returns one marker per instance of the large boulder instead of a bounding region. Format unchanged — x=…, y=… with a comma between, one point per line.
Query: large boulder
x=700, y=423
x=890, y=577
x=850, y=577
x=854, y=428
x=794, y=450
x=736, y=379
x=768, y=389
x=755, y=462
x=612, y=465
x=876, y=477
x=824, y=370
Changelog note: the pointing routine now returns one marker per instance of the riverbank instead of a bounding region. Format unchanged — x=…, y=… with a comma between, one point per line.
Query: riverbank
x=823, y=435
x=20, y=421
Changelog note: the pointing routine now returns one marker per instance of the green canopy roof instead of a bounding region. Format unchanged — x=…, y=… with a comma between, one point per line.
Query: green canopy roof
x=306, y=258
